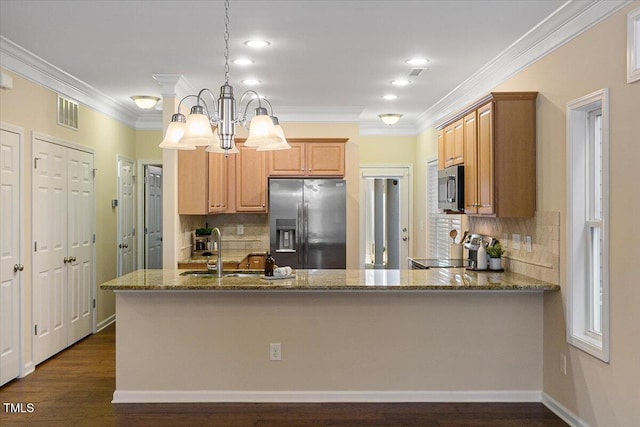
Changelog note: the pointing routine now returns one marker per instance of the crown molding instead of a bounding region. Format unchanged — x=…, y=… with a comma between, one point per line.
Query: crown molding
x=174, y=85
x=30, y=66
x=566, y=23
x=149, y=120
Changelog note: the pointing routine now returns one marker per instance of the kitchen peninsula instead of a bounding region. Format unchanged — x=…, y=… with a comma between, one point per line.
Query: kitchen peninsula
x=345, y=335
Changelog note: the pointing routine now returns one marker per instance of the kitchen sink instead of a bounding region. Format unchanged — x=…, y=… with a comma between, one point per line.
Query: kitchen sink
x=227, y=273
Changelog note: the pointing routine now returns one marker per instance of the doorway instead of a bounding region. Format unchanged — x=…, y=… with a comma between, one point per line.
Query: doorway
x=385, y=216
x=152, y=216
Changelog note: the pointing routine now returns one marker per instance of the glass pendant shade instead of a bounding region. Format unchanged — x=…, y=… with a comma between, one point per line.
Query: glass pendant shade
x=198, y=132
x=216, y=146
x=282, y=145
x=261, y=130
x=174, y=134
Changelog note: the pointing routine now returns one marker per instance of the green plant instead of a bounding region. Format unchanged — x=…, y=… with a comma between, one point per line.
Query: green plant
x=495, y=251
x=203, y=231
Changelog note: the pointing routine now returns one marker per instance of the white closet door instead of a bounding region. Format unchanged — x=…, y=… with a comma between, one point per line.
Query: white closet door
x=10, y=229
x=126, y=218
x=49, y=218
x=80, y=231
x=153, y=217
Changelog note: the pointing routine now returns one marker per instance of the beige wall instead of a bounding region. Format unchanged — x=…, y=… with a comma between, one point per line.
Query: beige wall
x=601, y=394
x=33, y=108
x=147, y=142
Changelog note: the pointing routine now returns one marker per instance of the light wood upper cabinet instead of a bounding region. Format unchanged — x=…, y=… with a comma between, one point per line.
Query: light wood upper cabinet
x=251, y=180
x=218, y=182
x=309, y=157
x=193, y=182
x=499, y=147
x=470, y=163
x=441, y=154
x=454, y=144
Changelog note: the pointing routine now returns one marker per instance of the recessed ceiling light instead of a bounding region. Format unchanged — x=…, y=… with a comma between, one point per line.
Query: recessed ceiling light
x=416, y=61
x=251, y=82
x=243, y=61
x=257, y=43
x=400, y=82
x=389, y=97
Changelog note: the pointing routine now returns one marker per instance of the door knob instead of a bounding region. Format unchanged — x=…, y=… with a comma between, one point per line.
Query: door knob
x=66, y=260
x=404, y=239
x=18, y=267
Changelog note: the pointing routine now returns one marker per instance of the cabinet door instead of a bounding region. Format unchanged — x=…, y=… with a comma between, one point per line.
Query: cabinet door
x=251, y=180
x=288, y=162
x=458, y=142
x=470, y=164
x=218, y=182
x=325, y=159
x=193, y=182
x=485, y=160
x=441, y=149
x=448, y=146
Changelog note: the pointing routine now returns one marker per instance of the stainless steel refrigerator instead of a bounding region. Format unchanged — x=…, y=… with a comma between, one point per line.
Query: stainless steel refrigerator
x=307, y=222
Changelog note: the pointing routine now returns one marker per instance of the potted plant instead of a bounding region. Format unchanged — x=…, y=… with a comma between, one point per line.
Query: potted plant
x=495, y=253
x=204, y=231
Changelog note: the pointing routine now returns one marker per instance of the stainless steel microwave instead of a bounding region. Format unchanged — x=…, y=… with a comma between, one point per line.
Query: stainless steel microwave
x=451, y=188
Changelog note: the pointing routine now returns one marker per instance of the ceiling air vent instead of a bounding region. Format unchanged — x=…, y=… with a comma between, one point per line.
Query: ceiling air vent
x=67, y=113
x=416, y=72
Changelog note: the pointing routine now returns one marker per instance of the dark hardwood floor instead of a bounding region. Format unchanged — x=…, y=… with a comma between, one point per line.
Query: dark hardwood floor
x=75, y=388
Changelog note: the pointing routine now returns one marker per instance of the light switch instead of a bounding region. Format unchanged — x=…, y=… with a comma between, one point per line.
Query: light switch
x=240, y=228
x=515, y=242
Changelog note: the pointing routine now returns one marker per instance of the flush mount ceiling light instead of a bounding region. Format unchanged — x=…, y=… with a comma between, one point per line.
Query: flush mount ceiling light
x=196, y=130
x=400, y=82
x=390, y=118
x=257, y=43
x=145, y=102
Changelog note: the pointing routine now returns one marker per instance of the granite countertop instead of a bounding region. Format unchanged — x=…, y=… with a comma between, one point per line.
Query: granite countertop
x=438, y=279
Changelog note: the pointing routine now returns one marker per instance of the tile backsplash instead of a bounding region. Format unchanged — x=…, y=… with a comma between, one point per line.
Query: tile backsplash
x=255, y=237
x=543, y=262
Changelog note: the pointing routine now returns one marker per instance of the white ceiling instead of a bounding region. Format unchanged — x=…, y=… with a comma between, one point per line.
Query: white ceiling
x=324, y=55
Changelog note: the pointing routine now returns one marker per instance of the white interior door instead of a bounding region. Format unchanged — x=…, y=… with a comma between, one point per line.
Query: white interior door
x=385, y=216
x=153, y=217
x=10, y=266
x=80, y=208
x=126, y=216
x=49, y=221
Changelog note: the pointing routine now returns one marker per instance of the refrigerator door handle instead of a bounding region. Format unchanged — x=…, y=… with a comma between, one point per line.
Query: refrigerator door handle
x=299, y=231
x=306, y=233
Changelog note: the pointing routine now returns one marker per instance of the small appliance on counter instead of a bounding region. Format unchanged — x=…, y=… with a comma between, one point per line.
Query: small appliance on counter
x=472, y=243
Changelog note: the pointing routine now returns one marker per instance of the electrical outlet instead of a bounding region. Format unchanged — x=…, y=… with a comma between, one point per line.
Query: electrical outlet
x=515, y=242
x=563, y=364
x=527, y=243
x=240, y=228
x=275, y=351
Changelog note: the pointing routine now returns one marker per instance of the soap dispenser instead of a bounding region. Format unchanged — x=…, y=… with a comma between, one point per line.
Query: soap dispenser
x=481, y=262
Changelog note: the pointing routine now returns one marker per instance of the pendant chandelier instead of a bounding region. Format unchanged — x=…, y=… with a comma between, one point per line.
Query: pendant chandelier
x=187, y=133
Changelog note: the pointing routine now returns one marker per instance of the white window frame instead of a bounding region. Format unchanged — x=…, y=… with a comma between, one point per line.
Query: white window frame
x=588, y=215
x=439, y=223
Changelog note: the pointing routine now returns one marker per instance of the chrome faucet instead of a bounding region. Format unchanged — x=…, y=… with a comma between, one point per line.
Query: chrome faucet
x=218, y=236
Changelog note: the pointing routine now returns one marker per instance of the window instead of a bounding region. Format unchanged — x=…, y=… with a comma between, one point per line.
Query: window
x=440, y=224
x=588, y=224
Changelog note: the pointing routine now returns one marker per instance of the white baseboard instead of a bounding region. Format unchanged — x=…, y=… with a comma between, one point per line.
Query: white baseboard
x=561, y=411
x=106, y=322
x=27, y=369
x=191, y=396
